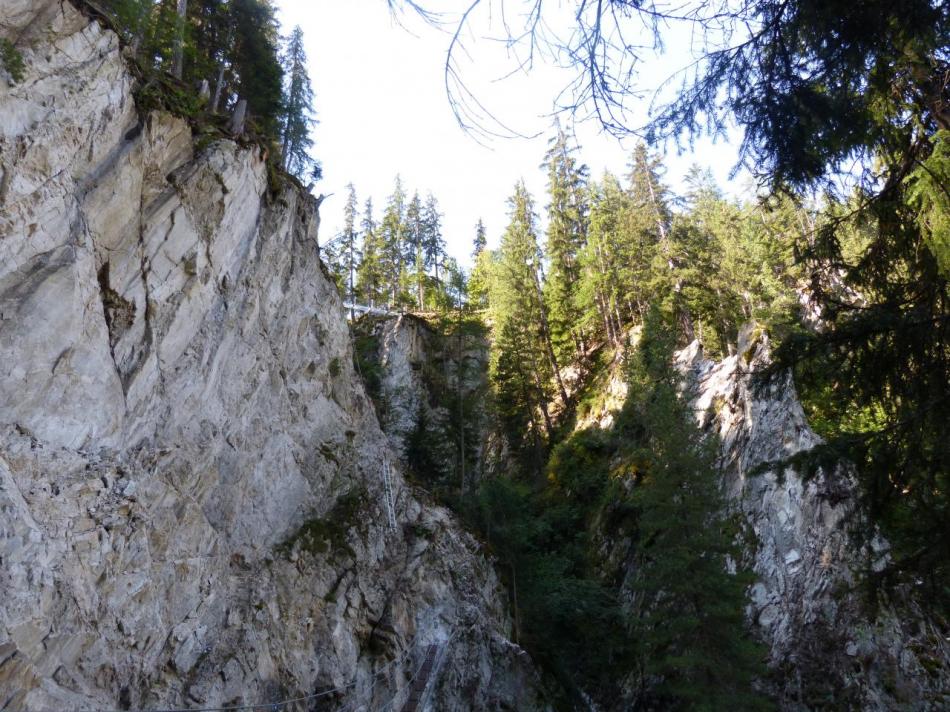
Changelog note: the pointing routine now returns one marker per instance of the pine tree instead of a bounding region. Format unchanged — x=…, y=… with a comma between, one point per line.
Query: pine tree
x=393, y=240
x=370, y=275
x=297, y=115
x=567, y=228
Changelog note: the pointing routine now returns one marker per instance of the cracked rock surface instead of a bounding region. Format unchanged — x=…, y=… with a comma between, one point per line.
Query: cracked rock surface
x=825, y=646
x=192, y=511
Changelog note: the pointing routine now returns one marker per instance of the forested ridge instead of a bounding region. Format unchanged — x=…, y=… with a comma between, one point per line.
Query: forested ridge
x=619, y=256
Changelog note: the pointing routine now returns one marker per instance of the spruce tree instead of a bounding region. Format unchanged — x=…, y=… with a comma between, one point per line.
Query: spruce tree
x=351, y=252
x=524, y=366
x=212, y=33
x=297, y=114
x=603, y=260
x=415, y=237
x=652, y=269
x=393, y=236
x=480, y=277
x=480, y=241
x=255, y=62
x=433, y=244
x=370, y=277
x=567, y=217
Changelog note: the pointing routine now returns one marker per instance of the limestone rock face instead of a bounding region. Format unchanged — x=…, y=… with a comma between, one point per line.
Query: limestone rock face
x=192, y=510
x=824, y=647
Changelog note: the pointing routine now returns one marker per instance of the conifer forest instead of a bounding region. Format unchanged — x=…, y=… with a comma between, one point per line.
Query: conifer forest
x=589, y=392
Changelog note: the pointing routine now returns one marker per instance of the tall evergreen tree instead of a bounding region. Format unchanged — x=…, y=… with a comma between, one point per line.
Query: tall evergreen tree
x=688, y=622
x=212, y=31
x=603, y=261
x=415, y=239
x=480, y=277
x=297, y=114
x=524, y=366
x=480, y=242
x=255, y=61
x=567, y=228
x=433, y=244
x=371, y=286
x=350, y=247
x=393, y=239
x=650, y=223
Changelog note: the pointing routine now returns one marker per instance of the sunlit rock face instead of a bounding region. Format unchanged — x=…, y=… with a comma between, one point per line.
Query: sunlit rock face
x=826, y=650
x=192, y=511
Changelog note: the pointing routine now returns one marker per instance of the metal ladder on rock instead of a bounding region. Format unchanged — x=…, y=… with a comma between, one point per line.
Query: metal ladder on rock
x=429, y=671
x=388, y=493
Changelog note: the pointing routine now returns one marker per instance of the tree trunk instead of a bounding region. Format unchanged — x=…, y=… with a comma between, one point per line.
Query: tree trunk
x=238, y=118
x=218, y=89
x=178, y=60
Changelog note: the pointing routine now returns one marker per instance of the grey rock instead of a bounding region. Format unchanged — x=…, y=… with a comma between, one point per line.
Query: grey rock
x=807, y=601
x=190, y=488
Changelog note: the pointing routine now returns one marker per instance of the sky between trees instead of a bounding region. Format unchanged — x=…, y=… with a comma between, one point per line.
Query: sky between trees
x=382, y=108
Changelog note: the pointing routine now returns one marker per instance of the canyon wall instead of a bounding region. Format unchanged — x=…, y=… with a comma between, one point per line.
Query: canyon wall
x=193, y=508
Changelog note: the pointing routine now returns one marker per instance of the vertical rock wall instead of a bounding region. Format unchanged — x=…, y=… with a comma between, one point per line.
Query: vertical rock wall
x=826, y=649
x=192, y=511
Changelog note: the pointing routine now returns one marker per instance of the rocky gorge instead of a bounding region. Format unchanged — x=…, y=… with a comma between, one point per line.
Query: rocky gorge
x=200, y=506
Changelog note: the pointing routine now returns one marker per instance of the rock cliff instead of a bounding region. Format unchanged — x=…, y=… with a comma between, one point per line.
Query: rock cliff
x=193, y=506
x=431, y=380
x=825, y=647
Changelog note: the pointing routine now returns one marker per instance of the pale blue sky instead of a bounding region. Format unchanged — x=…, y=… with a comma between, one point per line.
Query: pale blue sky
x=382, y=107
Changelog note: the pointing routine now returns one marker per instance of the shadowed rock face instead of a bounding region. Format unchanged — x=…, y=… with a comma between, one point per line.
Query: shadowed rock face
x=825, y=648
x=420, y=370
x=192, y=506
